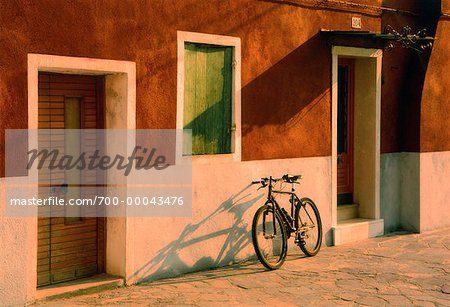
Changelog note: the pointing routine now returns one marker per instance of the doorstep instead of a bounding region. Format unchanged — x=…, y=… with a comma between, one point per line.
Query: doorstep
x=357, y=229
x=347, y=211
x=97, y=282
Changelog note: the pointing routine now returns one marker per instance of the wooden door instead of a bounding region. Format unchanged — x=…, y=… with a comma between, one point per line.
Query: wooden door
x=346, y=72
x=69, y=246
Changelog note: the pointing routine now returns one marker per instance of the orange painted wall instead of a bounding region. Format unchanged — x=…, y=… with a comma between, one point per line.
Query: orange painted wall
x=286, y=64
x=404, y=72
x=435, y=123
x=435, y=112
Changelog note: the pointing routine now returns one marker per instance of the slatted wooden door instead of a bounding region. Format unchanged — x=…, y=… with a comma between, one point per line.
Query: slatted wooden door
x=345, y=130
x=69, y=246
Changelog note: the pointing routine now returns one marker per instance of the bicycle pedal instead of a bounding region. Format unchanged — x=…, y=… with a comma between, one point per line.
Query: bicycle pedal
x=300, y=242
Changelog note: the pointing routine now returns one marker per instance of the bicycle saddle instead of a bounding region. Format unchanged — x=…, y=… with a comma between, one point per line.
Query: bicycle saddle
x=291, y=178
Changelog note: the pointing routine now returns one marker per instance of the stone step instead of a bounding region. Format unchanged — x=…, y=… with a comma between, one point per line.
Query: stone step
x=347, y=212
x=353, y=230
x=88, y=285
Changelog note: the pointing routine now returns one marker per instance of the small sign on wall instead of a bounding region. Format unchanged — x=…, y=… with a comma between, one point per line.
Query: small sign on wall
x=356, y=22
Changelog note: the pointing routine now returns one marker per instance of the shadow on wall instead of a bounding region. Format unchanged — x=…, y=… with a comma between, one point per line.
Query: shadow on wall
x=291, y=99
x=167, y=262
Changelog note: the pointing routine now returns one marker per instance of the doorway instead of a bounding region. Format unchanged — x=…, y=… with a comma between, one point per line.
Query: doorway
x=356, y=106
x=70, y=246
x=345, y=141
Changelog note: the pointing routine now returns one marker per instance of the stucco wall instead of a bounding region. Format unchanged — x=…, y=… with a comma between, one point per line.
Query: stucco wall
x=390, y=185
x=18, y=252
x=403, y=75
x=219, y=232
x=286, y=113
x=280, y=46
x=286, y=65
x=400, y=188
x=434, y=190
x=435, y=108
x=415, y=190
x=445, y=6
x=435, y=132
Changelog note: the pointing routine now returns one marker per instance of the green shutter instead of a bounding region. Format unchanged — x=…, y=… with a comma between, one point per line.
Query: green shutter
x=208, y=97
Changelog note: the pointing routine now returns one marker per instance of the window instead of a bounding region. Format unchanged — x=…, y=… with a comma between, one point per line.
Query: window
x=208, y=85
x=208, y=101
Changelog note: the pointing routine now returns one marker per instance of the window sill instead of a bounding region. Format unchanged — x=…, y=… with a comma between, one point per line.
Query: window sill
x=213, y=159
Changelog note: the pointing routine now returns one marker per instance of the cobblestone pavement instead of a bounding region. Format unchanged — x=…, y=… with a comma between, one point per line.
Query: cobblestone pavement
x=401, y=270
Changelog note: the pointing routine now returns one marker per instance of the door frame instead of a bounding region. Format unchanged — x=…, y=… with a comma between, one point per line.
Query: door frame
x=371, y=191
x=120, y=110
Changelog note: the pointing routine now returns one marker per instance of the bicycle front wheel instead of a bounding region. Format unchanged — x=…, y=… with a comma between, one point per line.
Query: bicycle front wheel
x=309, y=227
x=269, y=238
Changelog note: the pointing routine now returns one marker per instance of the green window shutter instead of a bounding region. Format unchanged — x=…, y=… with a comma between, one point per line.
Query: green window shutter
x=208, y=97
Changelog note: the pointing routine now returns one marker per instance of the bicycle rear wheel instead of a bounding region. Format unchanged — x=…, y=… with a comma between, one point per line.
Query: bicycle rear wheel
x=309, y=227
x=270, y=243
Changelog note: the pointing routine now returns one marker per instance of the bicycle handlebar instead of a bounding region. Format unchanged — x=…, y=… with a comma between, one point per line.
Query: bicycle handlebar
x=262, y=182
x=286, y=178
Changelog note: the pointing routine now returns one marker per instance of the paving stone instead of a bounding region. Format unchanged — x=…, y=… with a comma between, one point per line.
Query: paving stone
x=278, y=302
x=423, y=303
x=388, y=290
x=349, y=296
x=348, y=283
x=397, y=300
x=295, y=290
x=431, y=282
x=442, y=302
x=446, y=288
x=219, y=283
x=399, y=270
x=332, y=303
x=371, y=301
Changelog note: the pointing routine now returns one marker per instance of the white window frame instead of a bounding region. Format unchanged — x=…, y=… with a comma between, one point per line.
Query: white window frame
x=201, y=38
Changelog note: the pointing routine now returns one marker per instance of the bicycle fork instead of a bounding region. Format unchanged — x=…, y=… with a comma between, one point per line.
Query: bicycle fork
x=268, y=236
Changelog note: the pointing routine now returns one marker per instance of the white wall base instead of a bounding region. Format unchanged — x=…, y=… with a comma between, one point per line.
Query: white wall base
x=400, y=191
x=357, y=229
x=434, y=190
x=415, y=190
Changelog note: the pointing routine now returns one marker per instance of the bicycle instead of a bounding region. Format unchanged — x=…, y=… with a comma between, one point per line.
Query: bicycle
x=273, y=225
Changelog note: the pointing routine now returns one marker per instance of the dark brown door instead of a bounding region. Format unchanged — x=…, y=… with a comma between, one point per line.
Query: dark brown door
x=346, y=73
x=69, y=246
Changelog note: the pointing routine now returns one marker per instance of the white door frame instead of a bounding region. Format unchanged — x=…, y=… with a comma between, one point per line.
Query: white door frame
x=120, y=106
x=376, y=56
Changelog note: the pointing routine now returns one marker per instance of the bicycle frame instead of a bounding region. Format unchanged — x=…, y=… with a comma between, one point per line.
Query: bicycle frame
x=294, y=200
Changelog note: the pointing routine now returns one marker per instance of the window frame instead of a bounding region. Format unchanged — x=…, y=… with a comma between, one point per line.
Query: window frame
x=220, y=40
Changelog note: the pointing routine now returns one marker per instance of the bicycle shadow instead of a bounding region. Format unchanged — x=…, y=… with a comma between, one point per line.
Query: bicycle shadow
x=168, y=263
